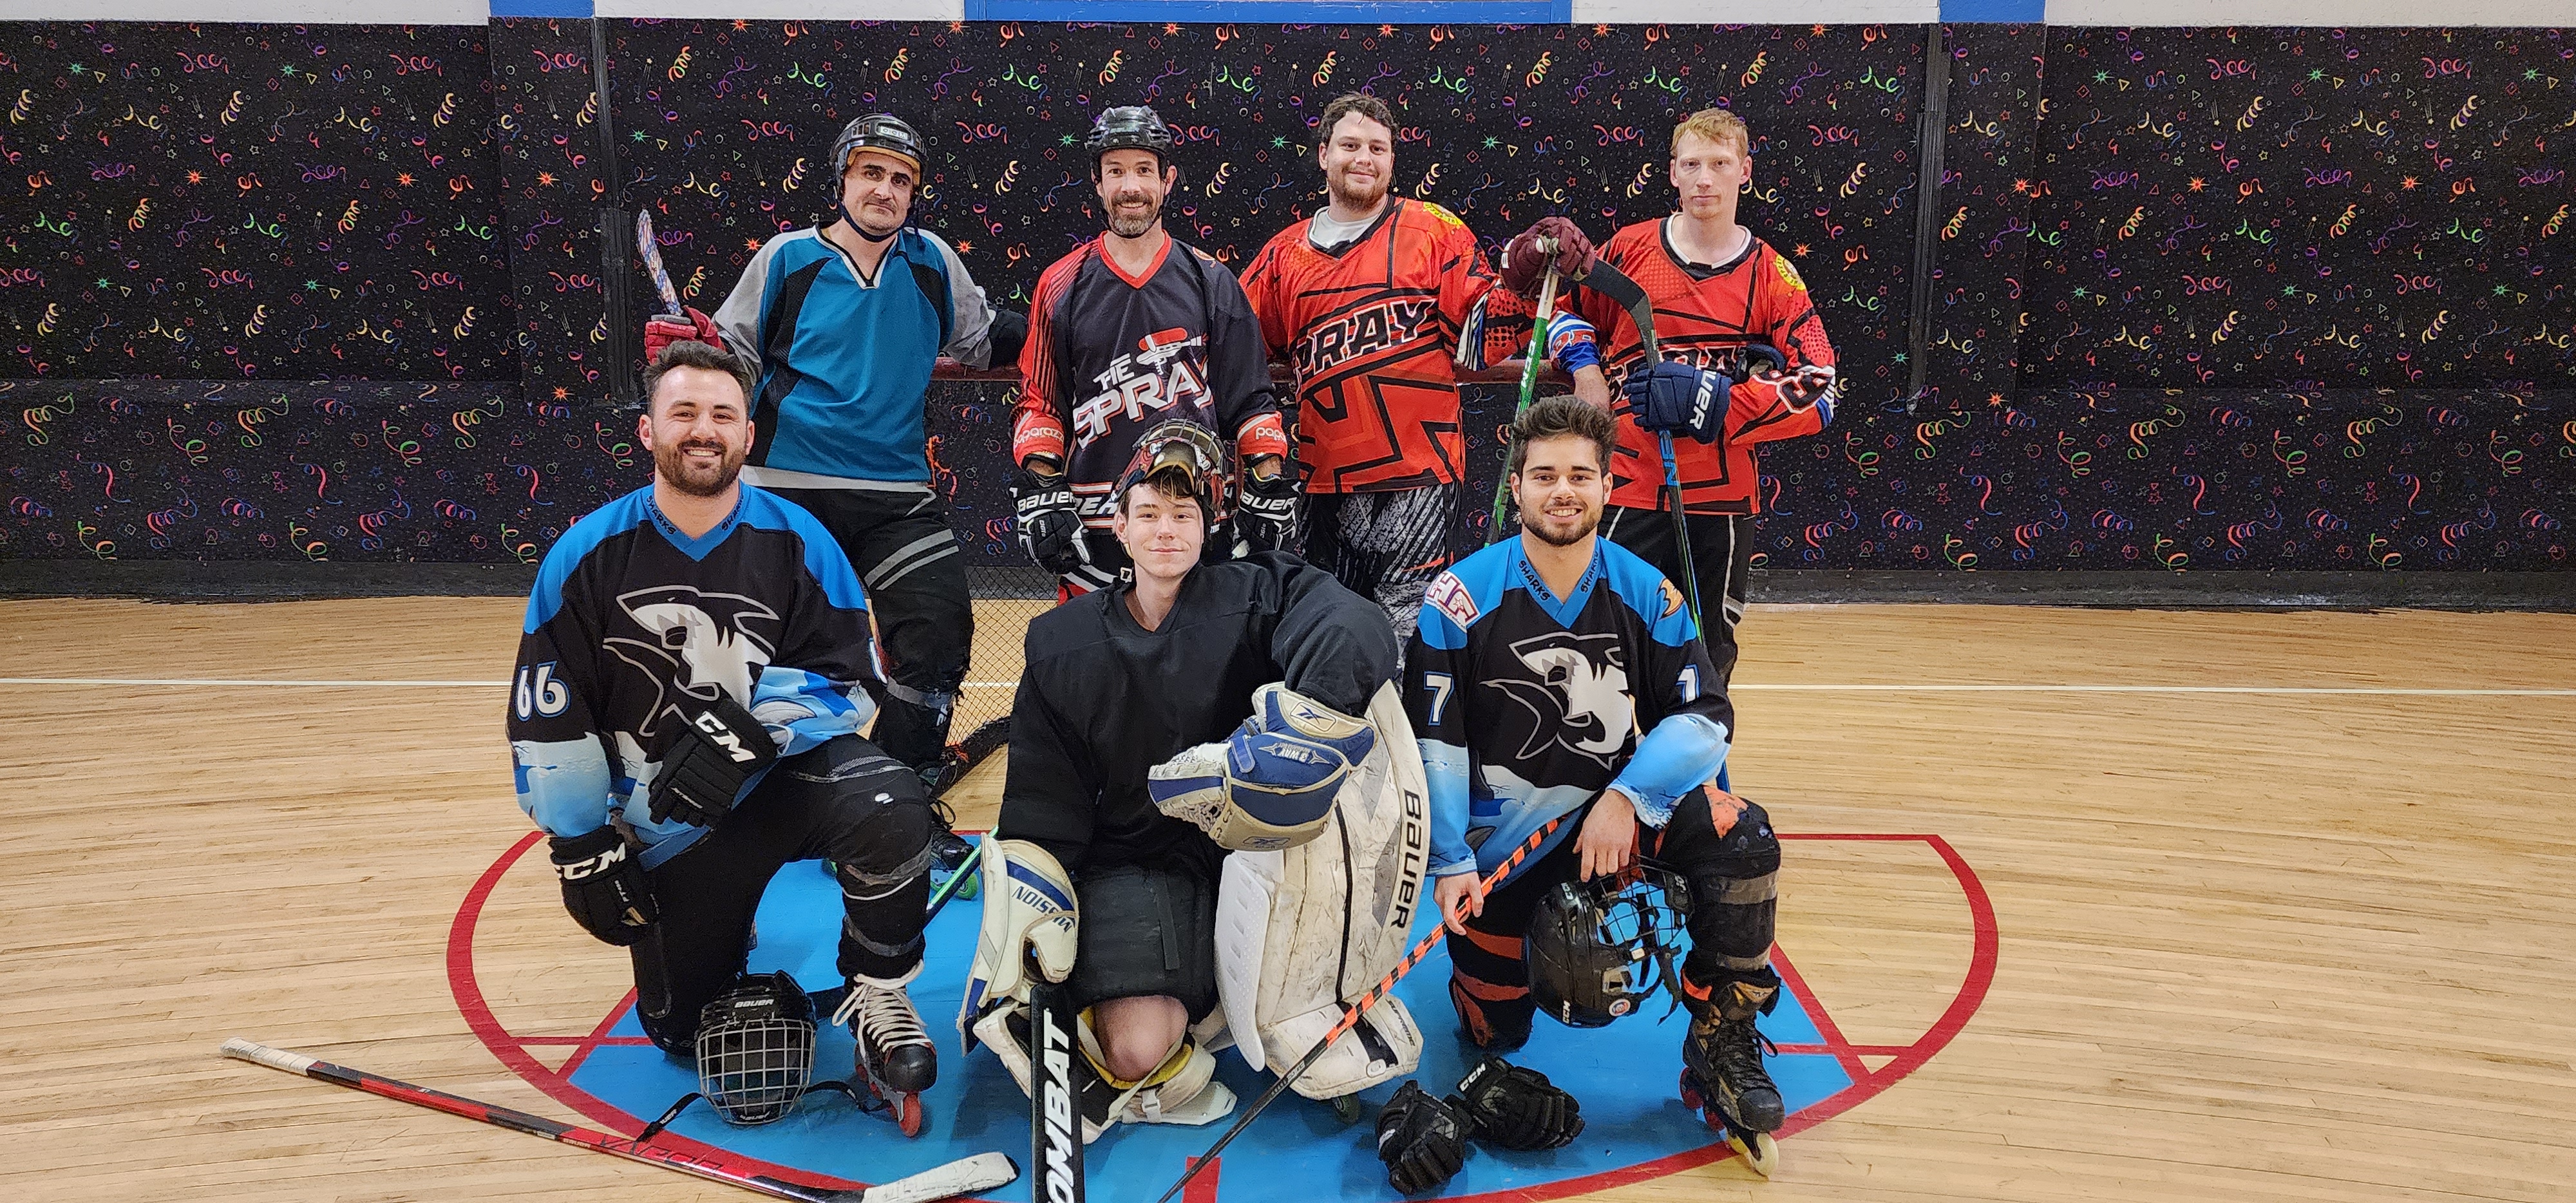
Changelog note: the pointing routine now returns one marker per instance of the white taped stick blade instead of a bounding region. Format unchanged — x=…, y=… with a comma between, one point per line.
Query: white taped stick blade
x=964, y=1176
x=274, y=1058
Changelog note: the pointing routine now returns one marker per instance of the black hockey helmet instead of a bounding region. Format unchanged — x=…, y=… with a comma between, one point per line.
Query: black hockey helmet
x=883, y=133
x=1181, y=445
x=756, y=1048
x=1596, y=950
x=1129, y=127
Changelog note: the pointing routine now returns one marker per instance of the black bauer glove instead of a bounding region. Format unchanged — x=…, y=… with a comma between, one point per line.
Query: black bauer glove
x=1676, y=398
x=1267, y=511
x=713, y=748
x=1517, y=1107
x=1050, y=528
x=603, y=886
x=1422, y=1140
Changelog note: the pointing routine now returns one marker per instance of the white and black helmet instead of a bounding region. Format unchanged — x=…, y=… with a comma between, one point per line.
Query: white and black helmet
x=884, y=133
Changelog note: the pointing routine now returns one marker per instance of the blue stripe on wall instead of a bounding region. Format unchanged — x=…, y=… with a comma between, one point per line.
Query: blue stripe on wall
x=1999, y=12
x=574, y=9
x=1286, y=12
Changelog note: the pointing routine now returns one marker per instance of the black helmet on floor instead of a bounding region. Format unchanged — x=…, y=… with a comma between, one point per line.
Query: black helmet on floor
x=1595, y=951
x=884, y=133
x=756, y=1048
x=1130, y=127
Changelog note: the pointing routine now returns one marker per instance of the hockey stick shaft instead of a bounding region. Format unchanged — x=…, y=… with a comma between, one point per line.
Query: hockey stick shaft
x=1351, y=1014
x=651, y=249
x=982, y=1171
x=1529, y=383
x=1616, y=285
x=948, y=889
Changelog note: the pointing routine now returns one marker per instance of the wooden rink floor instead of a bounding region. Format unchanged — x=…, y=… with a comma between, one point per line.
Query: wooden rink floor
x=2284, y=903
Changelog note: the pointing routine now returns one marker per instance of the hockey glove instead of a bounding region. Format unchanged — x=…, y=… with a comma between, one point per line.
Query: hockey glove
x=1523, y=265
x=1267, y=511
x=663, y=329
x=603, y=886
x=714, y=748
x=1050, y=528
x=1422, y=1140
x=1517, y=1107
x=1676, y=398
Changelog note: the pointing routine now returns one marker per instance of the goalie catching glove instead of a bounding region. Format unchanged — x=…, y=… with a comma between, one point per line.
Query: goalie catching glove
x=714, y=749
x=1028, y=916
x=1270, y=785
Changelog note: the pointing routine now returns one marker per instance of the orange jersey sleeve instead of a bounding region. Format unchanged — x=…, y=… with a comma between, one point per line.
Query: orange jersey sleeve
x=1038, y=420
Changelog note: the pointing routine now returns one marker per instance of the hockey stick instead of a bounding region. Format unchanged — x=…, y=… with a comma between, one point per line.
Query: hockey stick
x=1056, y=1064
x=956, y=877
x=1351, y=1014
x=646, y=245
x=965, y=1176
x=1626, y=294
x=1529, y=382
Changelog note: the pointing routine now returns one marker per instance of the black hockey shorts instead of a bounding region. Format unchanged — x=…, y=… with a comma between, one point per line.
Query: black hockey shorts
x=1733, y=881
x=1145, y=932
x=844, y=801
x=900, y=544
x=1387, y=547
x=1721, y=555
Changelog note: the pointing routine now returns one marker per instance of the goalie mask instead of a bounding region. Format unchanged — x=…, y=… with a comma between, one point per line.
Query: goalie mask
x=1597, y=950
x=756, y=1048
x=1188, y=449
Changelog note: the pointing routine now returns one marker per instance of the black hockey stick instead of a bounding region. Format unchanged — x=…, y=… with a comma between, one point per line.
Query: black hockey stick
x=1351, y=1014
x=965, y=1176
x=1056, y=1066
x=1627, y=294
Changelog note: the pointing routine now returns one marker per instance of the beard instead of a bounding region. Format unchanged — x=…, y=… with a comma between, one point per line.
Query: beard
x=674, y=467
x=1536, y=523
x=1355, y=194
x=1133, y=226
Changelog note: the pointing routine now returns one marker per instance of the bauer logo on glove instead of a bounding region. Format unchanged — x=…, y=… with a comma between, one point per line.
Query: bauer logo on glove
x=1271, y=785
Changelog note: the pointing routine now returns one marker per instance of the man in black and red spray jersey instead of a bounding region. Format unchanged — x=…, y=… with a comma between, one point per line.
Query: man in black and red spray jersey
x=1715, y=287
x=1378, y=300
x=1131, y=329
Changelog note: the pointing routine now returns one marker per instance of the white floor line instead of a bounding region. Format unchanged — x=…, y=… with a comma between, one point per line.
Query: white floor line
x=1741, y=686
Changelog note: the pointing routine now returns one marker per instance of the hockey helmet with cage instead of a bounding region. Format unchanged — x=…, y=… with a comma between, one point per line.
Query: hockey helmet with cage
x=1185, y=447
x=1596, y=950
x=756, y=1048
x=1129, y=127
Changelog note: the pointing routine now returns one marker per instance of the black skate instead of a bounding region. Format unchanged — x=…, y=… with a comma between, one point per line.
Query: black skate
x=896, y=1061
x=1723, y=1078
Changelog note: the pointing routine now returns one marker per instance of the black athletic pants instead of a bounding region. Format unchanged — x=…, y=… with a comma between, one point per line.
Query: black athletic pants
x=900, y=544
x=1734, y=883
x=1385, y=546
x=1721, y=555
x=844, y=801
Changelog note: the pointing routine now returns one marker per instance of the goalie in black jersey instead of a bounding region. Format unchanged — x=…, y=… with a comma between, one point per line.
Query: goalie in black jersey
x=692, y=677
x=1179, y=742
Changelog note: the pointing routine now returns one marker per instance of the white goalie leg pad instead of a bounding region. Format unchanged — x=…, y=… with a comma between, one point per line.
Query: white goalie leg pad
x=1303, y=931
x=1028, y=910
x=1187, y=1094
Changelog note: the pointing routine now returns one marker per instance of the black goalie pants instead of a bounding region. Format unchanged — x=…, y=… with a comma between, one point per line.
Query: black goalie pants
x=899, y=542
x=1721, y=555
x=1734, y=885
x=844, y=801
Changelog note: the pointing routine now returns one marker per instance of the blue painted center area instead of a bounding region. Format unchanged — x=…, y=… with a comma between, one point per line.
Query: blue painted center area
x=1624, y=1074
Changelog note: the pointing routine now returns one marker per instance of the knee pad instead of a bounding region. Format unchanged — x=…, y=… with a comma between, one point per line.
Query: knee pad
x=1493, y=1018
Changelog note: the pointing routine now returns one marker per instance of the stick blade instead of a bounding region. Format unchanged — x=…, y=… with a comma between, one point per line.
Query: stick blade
x=964, y=1176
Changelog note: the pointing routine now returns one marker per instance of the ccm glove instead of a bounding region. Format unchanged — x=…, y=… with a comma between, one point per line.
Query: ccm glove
x=1422, y=1140
x=714, y=748
x=663, y=329
x=603, y=886
x=1267, y=511
x=1676, y=398
x=1523, y=262
x=1050, y=528
x=1517, y=1107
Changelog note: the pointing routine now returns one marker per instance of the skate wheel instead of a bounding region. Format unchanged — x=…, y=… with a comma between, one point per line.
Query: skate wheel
x=1346, y=1108
x=1691, y=1096
x=1761, y=1152
x=974, y=885
x=910, y=1118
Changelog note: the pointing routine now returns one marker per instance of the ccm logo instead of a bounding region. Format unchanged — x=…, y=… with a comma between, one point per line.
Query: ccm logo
x=722, y=736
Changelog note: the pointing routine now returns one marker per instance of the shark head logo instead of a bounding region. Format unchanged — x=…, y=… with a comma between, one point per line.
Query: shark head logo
x=696, y=643
x=1579, y=699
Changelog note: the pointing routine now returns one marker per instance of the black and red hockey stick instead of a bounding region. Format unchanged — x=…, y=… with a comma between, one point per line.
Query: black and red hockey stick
x=965, y=1176
x=1351, y=1015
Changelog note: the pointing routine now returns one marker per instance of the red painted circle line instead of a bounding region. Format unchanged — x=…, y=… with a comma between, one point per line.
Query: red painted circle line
x=1866, y=1083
